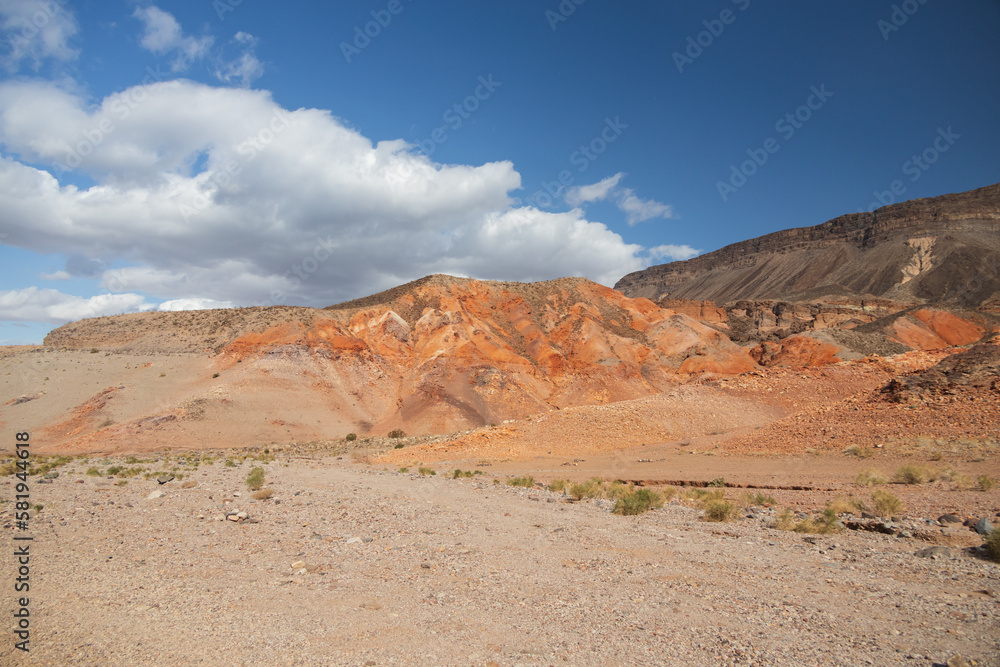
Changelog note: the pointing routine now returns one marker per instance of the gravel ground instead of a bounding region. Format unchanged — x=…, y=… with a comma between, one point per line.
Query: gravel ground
x=353, y=565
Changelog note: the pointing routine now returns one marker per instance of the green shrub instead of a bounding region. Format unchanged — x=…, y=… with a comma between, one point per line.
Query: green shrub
x=114, y=470
x=426, y=471
x=757, y=498
x=351, y=437
x=869, y=477
x=462, y=473
x=616, y=490
x=637, y=502
x=397, y=433
x=93, y=472
x=825, y=524
x=718, y=482
x=399, y=445
x=255, y=480
x=592, y=488
x=558, y=485
x=886, y=504
x=229, y=463
x=721, y=510
x=985, y=483
x=993, y=545
x=914, y=474
x=527, y=481
x=404, y=470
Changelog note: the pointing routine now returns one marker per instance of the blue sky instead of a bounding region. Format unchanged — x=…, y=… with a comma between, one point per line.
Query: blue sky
x=188, y=155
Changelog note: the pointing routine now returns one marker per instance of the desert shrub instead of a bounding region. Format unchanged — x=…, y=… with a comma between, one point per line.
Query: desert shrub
x=397, y=433
x=721, y=510
x=785, y=520
x=637, y=502
x=985, y=483
x=592, y=488
x=993, y=545
x=351, y=437
x=886, y=504
x=668, y=492
x=255, y=480
x=702, y=496
x=462, y=473
x=718, y=482
x=860, y=452
x=263, y=494
x=757, y=498
x=869, y=477
x=960, y=480
x=93, y=472
x=8, y=468
x=824, y=524
x=114, y=470
x=914, y=474
x=398, y=445
x=426, y=471
x=404, y=470
x=842, y=505
x=558, y=485
x=229, y=463
x=527, y=481
x=617, y=490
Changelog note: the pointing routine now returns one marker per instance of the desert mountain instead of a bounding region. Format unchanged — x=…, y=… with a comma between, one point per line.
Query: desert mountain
x=922, y=274
x=433, y=356
x=940, y=250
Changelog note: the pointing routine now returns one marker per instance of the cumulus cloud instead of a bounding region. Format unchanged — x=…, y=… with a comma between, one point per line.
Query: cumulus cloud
x=636, y=210
x=243, y=67
x=220, y=194
x=162, y=35
x=33, y=31
x=672, y=253
x=52, y=306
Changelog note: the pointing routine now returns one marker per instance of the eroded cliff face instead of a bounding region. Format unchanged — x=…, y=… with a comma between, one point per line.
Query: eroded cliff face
x=938, y=250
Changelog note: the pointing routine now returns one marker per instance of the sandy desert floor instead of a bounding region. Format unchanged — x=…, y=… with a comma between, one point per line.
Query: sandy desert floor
x=356, y=564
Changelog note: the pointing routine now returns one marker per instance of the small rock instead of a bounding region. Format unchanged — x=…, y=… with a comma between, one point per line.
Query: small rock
x=945, y=519
x=298, y=565
x=45, y=481
x=242, y=515
x=905, y=533
x=367, y=539
x=232, y=517
x=155, y=494
x=934, y=552
x=354, y=540
x=51, y=475
x=868, y=515
x=958, y=661
x=163, y=479
x=984, y=527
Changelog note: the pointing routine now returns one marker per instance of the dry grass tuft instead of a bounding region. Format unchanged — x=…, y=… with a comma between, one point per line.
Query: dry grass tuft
x=263, y=494
x=886, y=504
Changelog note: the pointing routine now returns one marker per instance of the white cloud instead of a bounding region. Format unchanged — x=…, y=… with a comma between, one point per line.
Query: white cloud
x=162, y=35
x=596, y=192
x=49, y=305
x=220, y=194
x=193, y=304
x=673, y=253
x=57, y=275
x=636, y=210
x=245, y=68
x=640, y=210
x=34, y=30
